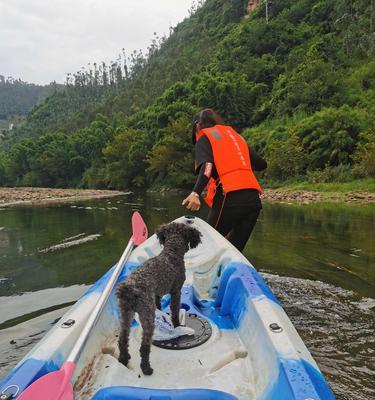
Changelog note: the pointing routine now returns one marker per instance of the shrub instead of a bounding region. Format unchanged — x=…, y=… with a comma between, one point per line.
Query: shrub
x=364, y=156
x=330, y=135
x=96, y=176
x=339, y=173
x=286, y=158
x=3, y=169
x=313, y=84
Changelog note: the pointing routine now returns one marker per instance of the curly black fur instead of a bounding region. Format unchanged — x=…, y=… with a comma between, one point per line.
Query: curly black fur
x=143, y=290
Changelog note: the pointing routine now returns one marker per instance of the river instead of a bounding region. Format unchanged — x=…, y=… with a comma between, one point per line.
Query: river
x=319, y=259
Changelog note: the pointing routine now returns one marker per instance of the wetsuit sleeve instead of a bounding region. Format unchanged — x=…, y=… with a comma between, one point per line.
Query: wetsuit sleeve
x=203, y=152
x=205, y=172
x=257, y=162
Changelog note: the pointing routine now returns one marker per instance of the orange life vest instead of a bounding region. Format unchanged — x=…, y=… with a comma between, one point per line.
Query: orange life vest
x=232, y=161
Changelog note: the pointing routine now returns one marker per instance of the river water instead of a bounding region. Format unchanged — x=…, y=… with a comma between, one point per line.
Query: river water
x=319, y=260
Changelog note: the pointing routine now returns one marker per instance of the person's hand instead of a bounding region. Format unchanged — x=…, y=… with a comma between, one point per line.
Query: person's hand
x=192, y=202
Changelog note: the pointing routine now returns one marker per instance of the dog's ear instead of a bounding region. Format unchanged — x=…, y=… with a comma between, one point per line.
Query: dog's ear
x=161, y=232
x=194, y=237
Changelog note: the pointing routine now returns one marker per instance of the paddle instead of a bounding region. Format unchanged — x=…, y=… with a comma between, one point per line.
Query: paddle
x=56, y=385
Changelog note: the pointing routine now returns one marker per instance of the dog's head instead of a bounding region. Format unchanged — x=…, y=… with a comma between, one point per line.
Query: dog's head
x=190, y=235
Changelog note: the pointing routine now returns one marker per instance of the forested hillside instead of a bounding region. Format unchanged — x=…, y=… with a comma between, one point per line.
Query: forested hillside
x=299, y=85
x=17, y=98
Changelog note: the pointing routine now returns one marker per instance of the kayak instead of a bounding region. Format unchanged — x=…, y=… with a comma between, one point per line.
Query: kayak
x=244, y=346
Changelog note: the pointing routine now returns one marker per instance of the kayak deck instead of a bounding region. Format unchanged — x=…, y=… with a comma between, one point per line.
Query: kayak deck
x=222, y=363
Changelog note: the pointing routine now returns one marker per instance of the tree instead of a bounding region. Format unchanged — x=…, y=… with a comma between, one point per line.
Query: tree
x=330, y=136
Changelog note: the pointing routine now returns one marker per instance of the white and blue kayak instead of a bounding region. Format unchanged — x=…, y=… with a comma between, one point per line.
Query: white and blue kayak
x=244, y=347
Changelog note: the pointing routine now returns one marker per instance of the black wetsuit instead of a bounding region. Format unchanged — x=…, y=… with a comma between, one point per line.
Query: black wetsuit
x=235, y=214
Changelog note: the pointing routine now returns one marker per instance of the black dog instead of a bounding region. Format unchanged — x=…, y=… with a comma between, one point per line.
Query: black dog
x=143, y=290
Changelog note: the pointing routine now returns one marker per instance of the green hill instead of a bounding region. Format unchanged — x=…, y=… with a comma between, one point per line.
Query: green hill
x=17, y=99
x=300, y=87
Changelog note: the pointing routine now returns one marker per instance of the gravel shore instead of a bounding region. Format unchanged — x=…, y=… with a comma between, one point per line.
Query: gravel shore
x=27, y=195
x=306, y=197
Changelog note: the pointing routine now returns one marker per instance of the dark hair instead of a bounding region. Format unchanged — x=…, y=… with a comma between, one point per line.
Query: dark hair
x=206, y=118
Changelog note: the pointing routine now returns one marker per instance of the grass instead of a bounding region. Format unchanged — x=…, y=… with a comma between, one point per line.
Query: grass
x=360, y=185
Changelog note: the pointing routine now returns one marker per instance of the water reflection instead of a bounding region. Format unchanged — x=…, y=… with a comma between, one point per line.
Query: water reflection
x=333, y=243
x=328, y=242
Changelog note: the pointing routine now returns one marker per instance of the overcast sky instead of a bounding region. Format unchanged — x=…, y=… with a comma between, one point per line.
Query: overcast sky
x=42, y=40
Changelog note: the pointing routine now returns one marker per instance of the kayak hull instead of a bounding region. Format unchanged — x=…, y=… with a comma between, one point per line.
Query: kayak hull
x=254, y=351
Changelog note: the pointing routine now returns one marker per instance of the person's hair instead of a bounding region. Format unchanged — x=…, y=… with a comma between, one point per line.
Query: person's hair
x=208, y=118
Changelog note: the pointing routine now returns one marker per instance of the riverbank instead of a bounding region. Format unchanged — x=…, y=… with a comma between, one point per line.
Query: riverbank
x=286, y=195
x=300, y=195
x=29, y=195
x=358, y=191
x=296, y=194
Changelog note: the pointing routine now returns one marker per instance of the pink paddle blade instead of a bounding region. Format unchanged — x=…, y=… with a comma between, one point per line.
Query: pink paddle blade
x=140, y=232
x=53, y=386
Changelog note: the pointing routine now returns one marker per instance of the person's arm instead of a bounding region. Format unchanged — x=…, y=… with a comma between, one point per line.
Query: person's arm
x=204, y=159
x=203, y=152
x=257, y=162
x=192, y=202
x=205, y=172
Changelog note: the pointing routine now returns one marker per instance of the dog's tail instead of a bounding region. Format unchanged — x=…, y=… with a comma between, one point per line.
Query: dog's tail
x=128, y=295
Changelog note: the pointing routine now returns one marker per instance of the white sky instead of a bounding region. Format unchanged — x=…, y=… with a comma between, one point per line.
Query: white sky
x=42, y=40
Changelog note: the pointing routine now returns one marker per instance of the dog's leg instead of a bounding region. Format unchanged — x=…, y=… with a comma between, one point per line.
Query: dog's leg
x=158, y=302
x=175, y=306
x=147, y=319
x=123, y=343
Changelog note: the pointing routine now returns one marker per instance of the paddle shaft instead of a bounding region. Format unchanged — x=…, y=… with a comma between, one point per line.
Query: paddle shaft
x=80, y=343
x=57, y=385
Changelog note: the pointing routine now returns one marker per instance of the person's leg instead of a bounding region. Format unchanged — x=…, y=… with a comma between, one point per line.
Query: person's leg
x=235, y=221
x=241, y=232
x=221, y=217
x=212, y=217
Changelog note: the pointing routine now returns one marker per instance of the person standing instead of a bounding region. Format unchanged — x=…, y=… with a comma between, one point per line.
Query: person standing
x=224, y=164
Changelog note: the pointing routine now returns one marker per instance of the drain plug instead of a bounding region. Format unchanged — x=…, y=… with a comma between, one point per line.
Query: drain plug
x=276, y=328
